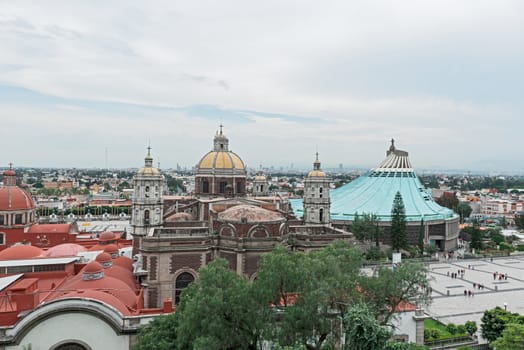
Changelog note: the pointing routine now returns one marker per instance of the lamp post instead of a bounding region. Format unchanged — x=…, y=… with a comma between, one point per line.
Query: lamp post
x=505, y=306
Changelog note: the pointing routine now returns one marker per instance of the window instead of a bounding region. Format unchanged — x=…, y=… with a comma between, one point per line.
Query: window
x=321, y=215
x=2, y=238
x=2, y=220
x=182, y=281
x=70, y=346
x=222, y=187
x=205, y=186
x=239, y=187
x=146, y=217
x=18, y=219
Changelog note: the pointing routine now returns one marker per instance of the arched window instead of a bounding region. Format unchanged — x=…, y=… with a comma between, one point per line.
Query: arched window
x=321, y=215
x=70, y=346
x=182, y=281
x=146, y=217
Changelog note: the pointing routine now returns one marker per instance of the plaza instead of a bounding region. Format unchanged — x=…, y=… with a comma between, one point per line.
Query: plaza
x=450, y=302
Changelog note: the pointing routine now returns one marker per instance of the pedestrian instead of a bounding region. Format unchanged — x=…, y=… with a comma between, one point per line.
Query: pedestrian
x=465, y=292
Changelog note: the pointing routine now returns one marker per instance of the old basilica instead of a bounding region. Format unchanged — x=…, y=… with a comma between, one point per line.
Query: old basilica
x=175, y=236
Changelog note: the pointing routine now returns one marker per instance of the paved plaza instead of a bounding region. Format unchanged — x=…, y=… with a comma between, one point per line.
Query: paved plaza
x=449, y=304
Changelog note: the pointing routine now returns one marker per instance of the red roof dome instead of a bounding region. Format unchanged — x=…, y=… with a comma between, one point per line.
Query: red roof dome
x=64, y=249
x=120, y=273
x=112, y=249
x=9, y=172
x=98, y=295
x=105, y=259
x=14, y=198
x=92, y=267
x=108, y=236
x=107, y=284
x=123, y=261
x=18, y=252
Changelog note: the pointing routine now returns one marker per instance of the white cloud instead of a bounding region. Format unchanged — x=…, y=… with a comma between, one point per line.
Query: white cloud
x=360, y=72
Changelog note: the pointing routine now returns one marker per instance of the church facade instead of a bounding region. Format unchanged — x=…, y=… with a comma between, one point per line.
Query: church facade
x=221, y=220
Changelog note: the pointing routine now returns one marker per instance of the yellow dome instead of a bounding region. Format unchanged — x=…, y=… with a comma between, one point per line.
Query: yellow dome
x=148, y=171
x=316, y=173
x=221, y=160
x=260, y=178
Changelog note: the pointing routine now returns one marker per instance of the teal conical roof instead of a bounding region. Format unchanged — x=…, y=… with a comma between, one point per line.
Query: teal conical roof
x=374, y=191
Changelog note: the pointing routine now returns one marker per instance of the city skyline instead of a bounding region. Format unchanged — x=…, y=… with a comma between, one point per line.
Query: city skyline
x=444, y=79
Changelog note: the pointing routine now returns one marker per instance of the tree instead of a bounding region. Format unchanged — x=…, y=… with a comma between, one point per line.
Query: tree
x=519, y=220
x=219, y=311
x=448, y=200
x=398, y=223
x=388, y=289
x=318, y=285
x=476, y=236
x=512, y=338
x=464, y=210
x=471, y=327
x=495, y=320
x=367, y=228
x=363, y=331
x=159, y=334
x=421, y=235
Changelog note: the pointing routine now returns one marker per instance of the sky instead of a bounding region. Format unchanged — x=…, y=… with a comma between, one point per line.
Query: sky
x=91, y=83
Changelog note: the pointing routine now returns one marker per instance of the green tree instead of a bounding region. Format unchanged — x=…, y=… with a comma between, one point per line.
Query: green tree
x=471, y=327
x=519, y=220
x=398, y=223
x=363, y=331
x=388, y=289
x=159, y=334
x=219, y=311
x=366, y=227
x=421, y=235
x=464, y=210
x=476, y=236
x=449, y=201
x=320, y=284
x=512, y=338
x=494, y=322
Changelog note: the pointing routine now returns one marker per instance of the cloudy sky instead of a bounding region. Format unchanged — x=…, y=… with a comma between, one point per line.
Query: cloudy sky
x=445, y=79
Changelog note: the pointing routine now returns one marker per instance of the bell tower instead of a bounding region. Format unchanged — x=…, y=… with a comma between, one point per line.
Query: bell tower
x=316, y=196
x=148, y=201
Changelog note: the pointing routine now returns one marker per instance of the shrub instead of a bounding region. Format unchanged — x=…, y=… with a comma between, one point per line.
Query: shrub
x=452, y=328
x=471, y=327
x=461, y=329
